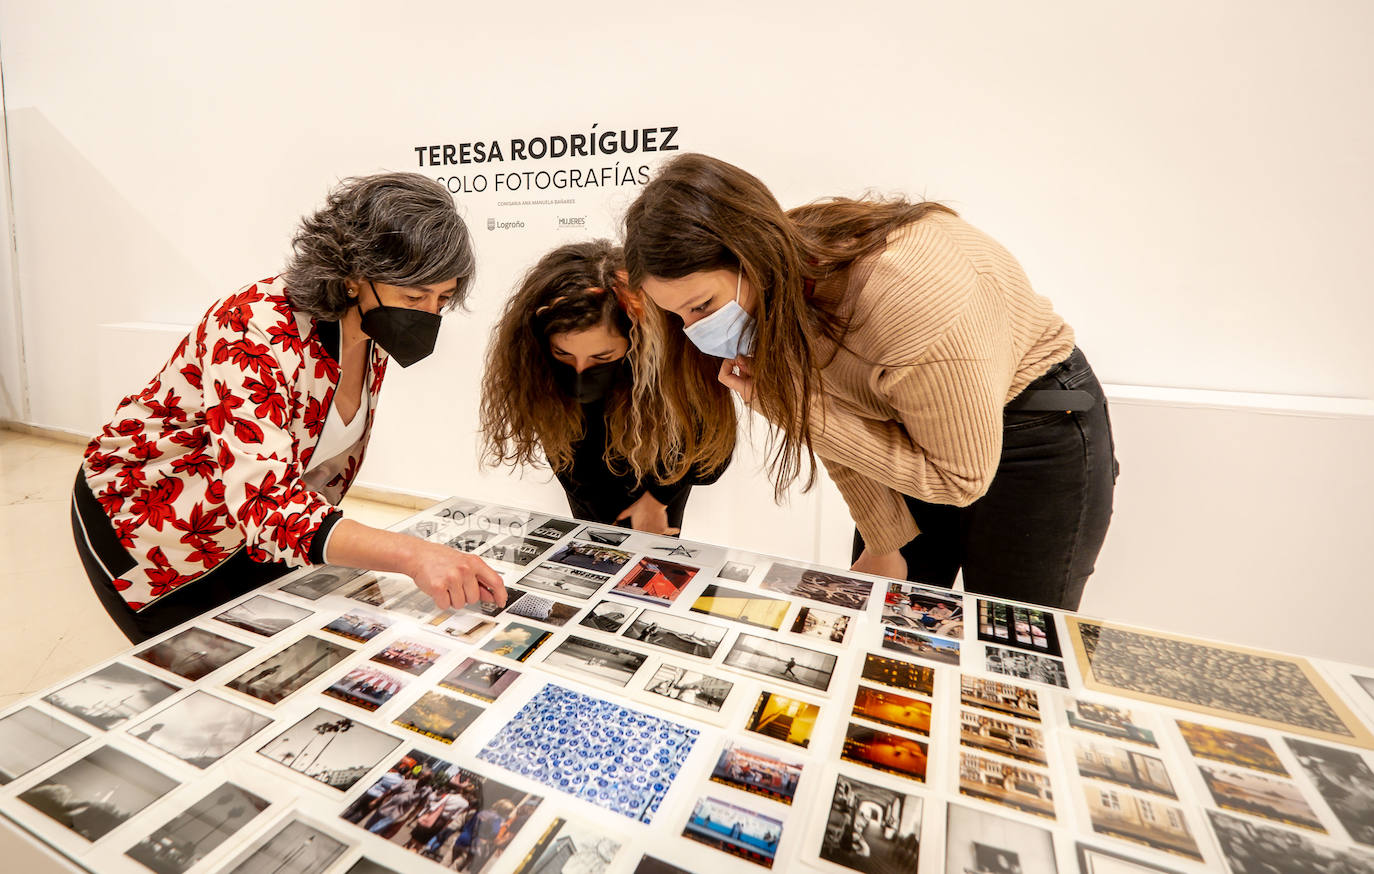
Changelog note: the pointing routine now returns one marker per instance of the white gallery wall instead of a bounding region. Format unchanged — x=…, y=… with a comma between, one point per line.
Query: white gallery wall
x=1189, y=183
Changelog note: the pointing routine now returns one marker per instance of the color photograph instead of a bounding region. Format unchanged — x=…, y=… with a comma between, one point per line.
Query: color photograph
x=739, y=832
x=744, y=607
x=516, y=641
x=597, y=660
x=197, y=831
x=1110, y=720
x=98, y=793
x=1001, y=782
x=898, y=674
x=893, y=753
x=29, y=738
x=1231, y=747
x=1014, y=740
x=781, y=661
x=263, y=615
x=919, y=608
x=200, y=729
x=559, y=580
x=689, y=687
x=359, y=625
x=463, y=626
x=366, y=687
x=111, y=696
x=978, y=842
x=1134, y=818
x=1026, y=666
x=1125, y=767
x=1016, y=626
x=478, y=679
x=781, y=718
x=676, y=633
x=440, y=717
x=333, y=749
x=594, y=557
x=872, y=829
x=917, y=645
x=893, y=709
x=655, y=580
x=757, y=772
x=813, y=585
x=193, y=653
x=822, y=624
x=289, y=670
x=409, y=655
x=294, y=848
x=1258, y=795
x=1003, y=698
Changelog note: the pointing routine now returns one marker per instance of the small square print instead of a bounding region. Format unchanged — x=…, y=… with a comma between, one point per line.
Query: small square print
x=552, y=528
x=922, y=609
x=366, y=687
x=567, y=581
x=200, y=729
x=263, y=615
x=761, y=773
x=478, y=679
x=29, y=738
x=892, y=709
x=540, y=609
x=518, y=551
x=316, y=585
x=95, y=795
x=289, y=670
x=409, y=655
x=785, y=719
x=608, y=616
x=735, y=830
x=689, y=686
x=885, y=751
x=465, y=627
x=1001, y=782
x=516, y=641
x=735, y=571
x=359, y=625
x=872, y=828
x=111, y=696
x=193, y=653
x=1110, y=720
x=821, y=624
x=333, y=749
x=193, y=834
x=439, y=717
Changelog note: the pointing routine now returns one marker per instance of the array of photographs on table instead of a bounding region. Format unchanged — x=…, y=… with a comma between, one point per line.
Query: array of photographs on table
x=463, y=626
x=1344, y=781
x=571, y=582
x=1251, y=847
x=541, y=609
x=736, y=572
x=761, y=773
x=478, y=679
x=594, y=557
x=334, y=749
x=97, y=793
x=735, y=830
x=1021, y=627
x=1260, y=795
x=1025, y=666
x=1094, y=860
x=111, y=696
x=317, y=584
x=200, y=729
x=898, y=674
x=1231, y=747
x=29, y=738
x=786, y=719
x=921, y=646
x=358, y=625
x=689, y=686
x=871, y=828
x=601, y=661
x=677, y=633
x=516, y=641
x=885, y=751
x=892, y=709
x=1011, y=739
x=366, y=687
x=193, y=653
x=977, y=842
x=1110, y=720
x=743, y=607
x=295, y=848
x=608, y=616
x=836, y=590
x=1001, y=782
x=263, y=615
x=1137, y=819
x=439, y=717
x=412, y=656
x=655, y=580
x=1129, y=767
x=781, y=661
x=197, y=831
x=922, y=609
x=823, y=624
x=289, y=670
x=1268, y=689
x=1003, y=698
x=571, y=847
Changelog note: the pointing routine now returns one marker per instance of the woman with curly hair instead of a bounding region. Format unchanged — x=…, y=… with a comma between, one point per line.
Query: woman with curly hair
x=570, y=380
x=225, y=471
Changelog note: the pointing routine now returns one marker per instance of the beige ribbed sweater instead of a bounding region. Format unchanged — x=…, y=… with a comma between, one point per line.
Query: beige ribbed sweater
x=945, y=331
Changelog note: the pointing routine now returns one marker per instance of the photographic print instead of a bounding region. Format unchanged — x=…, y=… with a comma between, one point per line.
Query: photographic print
x=916, y=645
x=921, y=609
x=377, y=590
x=440, y=717
x=552, y=528
x=543, y=609
x=813, y=585
x=1266, y=689
x=823, y=624
x=435, y=530
x=984, y=732
x=466, y=627
x=1110, y=721
x=1004, y=783
x=197, y=831
x=1345, y=783
x=737, y=831
x=570, y=848
x=898, y=674
x=359, y=625
x=366, y=687
x=516, y=641
x=608, y=616
x=414, y=604
x=29, y=738
x=478, y=679
x=98, y=793
x=1232, y=747
x=977, y=842
x=620, y=759
x=289, y=670
x=651, y=865
x=760, y=773
x=890, y=708
x=316, y=585
x=594, y=557
x=1092, y=860
x=518, y=551
x=295, y=848
x=200, y=729
x=1258, y=795
x=781, y=661
x=367, y=866
x=1016, y=626
x=1026, y=666
x=599, y=660
x=193, y=653
x=1126, y=767
x=571, y=582
x=677, y=633
x=1253, y=848
x=604, y=536
x=412, y=656
x=740, y=606
x=1366, y=683
x=263, y=615
x=1140, y=820
x=998, y=697
x=471, y=540
x=872, y=829
x=457, y=509
x=689, y=687
x=333, y=749
x=735, y=571
x=893, y=753
x=655, y=580
x=111, y=696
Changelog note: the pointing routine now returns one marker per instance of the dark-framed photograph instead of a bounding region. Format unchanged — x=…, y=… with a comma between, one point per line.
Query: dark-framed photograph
x=29, y=738
x=1001, y=782
x=689, y=686
x=193, y=653
x=736, y=572
x=760, y=773
x=567, y=581
x=1344, y=781
x=333, y=749
x=892, y=709
x=744, y=607
x=789, y=720
x=919, y=608
x=1251, y=847
x=983, y=731
x=595, y=659
x=439, y=717
x=1127, y=767
x=410, y=655
x=595, y=557
x=1026, y=666
x=294, y=848
x=608, y=616
x=111, y=696
x=359, y=625
x=871, y=828
x=898, y=674
x=263, y=615
x=1120, y=814
x=571, y=847
x=821, y=624
x=1258, y=795
x=516, y=641
x=677, y=633
x=655, y=580
x=321, y=582
x=1231, y=747
x=979, y=842
x=278, y=676
x=885, y=751
x=1110, y=720
x=197, y=831
x=781, y=661
x=540, y=609
x=200, y=729
x=836, y=590
x=1003, y=698
x=734, y=830
x=921, y=646
x=96, y=794
x=1094, y=860
x=478, y=679
x=1016, y=626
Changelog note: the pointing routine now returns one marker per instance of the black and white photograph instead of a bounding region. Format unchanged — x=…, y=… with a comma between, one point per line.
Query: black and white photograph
x=1253, y=848
x=689, y=687
x=1366, y=683
x=872, y=829
x=377, y=590
x=735, y=571
x=675, y=632
x=1004, y=698
x=1124, y=815
x=552, y=528
x=604, y=536
x=111, y=696
x=29, y=738
x=1133, y=768
x=317, y=584
x=287, y=671
x=570, y=848
x=478, y=679
x=758, y=772
x=435, y=530
x=1014, y=740
x=410, y=655
x=781, y=661
x=368, y=866
x=813, y=585
x=572, y=582
x=491, y=608
x=651, y=865
x=1258, y=795
x=1344, y=781
x=463, y=626
x=414, y=604
x=359, y=625
x=599, y=660
x=294, y=848
x=193, y=653
x=1016, y=626
x=263, y=615
x=366, y=687
x=1001, y=782
x=744, y=607
x=1094, y=860
x=196, y=832
x=608, y=616
x=440, y=717
x=96, y=794
x=921, y=609
x=200, y=729
x=518, y=551
x=541, y=609
x=920, y=646
x=472, y=539
x=1026, y=666
x=735, y=830
x=594, y=557
x=977, y=842
x=333, y=749
x=821, y=624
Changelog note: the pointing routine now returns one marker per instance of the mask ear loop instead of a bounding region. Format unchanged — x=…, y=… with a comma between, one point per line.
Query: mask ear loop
x=629, y=301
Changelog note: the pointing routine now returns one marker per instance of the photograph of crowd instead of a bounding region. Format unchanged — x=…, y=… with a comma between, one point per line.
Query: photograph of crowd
x=1026, y=666
x=366, y=687
x=412, y=656
x=914, y=606
x=333, y=749
x=193, y=653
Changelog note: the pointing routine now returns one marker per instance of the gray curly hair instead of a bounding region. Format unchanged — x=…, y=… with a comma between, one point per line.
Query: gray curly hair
x=397, y=228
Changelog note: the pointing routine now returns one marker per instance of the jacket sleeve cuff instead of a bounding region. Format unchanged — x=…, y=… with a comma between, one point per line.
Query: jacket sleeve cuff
x=319, y=543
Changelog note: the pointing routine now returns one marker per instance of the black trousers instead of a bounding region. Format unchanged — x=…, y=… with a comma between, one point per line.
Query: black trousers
x=582, y=509
x=1035, y=535
x=105, y=560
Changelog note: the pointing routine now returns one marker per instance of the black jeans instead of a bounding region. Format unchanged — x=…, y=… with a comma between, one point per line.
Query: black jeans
x=1035, y=535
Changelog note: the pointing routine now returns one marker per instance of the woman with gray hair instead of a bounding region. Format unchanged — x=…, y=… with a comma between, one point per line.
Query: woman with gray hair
x=224, y=472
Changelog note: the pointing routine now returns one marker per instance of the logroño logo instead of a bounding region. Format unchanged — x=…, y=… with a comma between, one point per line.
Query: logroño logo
x=494, y=225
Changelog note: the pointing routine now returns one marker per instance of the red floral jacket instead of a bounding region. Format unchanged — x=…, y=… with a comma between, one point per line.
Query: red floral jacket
x=208, y=459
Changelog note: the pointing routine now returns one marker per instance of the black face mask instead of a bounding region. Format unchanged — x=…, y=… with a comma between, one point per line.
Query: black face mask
x=407, y=335
x=590, y=385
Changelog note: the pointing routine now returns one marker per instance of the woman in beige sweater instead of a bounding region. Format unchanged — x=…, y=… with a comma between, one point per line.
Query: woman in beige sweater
x=946, y=399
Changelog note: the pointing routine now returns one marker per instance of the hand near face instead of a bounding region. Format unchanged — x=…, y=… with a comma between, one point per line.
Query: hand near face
x=737, y=374
x=647, y=514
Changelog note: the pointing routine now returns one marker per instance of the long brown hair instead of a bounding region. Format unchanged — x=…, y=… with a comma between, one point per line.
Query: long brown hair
x=700, y=213
x=525, y=417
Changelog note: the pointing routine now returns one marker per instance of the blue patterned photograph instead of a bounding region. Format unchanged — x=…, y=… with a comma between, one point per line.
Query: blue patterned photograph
x=609, y=755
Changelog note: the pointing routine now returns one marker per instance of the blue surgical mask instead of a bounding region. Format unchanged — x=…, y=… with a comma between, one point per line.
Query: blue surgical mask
x=726, y=333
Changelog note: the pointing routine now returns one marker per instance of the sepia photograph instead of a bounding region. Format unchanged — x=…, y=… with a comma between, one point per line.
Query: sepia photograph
x=289, y=670
x=1231, y=747
x=595, y=557
x=111, y=696
x=540, y=609
x=872, y=829
x=919, y=608
x=1258, y=795
x=785, y=719
x=735, y=830
x=1016, y=626
x=689, y=687
x=1026, y=666
x=571, y=582
x=478, y=679
x=1004, y=783
x=516, y=641
x=822, y=624
x=655, y=580
x=677, y=633
x=410, y=655
x=1109, y=720
x=518, y=551
x=757, y=772
x=335, y=750
x=366, y=687
x=440, y=717
x=263, y=615
x=813, y=585
x=193, y=653
x=977, y=842
x=898, y=674
x=98, y=793
x=893, y=753
x=781, y=661
x=1125, y=767
x=738, y=606
x=294, y=848
x=463, y=626
x=377, y=590
x=570, y=848
x=1252, y=848
x=200, y=729
x=893, y=709
x=998, y=697
x=984, y=732
x=917, y=645
x=735, y=571
x=317, y=584
x=608, y=616
x=1135, y=818
x=29, y=738
x=359, y=625
x=197, y=831
x=1344, y=781
x=599, y=660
